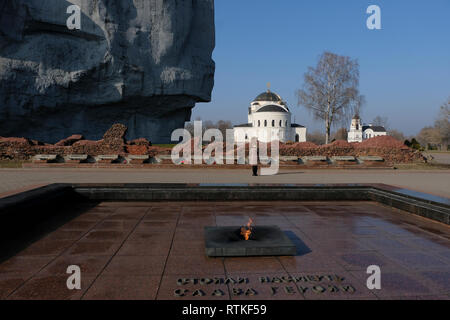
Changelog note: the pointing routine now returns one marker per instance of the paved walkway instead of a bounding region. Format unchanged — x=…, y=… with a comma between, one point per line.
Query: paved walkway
x=440, y=157
x=435, y=182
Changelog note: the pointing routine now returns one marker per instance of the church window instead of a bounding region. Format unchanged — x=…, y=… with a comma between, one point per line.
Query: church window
x=273, y=123
x=285, y=124
x=265, y=123
x=259, y=123
x=281, y=123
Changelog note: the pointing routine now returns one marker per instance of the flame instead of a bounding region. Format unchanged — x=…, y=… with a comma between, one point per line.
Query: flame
x=247, y=230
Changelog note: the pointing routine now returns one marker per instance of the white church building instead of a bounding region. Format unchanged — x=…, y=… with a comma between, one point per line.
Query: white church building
x=266, y=113
x=359, y=132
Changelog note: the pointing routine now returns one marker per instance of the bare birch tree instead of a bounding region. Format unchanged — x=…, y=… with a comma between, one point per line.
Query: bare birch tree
x=442, y=124
x=381, y=121
x=330, y=90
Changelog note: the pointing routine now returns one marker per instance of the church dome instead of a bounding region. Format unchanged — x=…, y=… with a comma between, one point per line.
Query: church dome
x=271, y=108
x=268, y=96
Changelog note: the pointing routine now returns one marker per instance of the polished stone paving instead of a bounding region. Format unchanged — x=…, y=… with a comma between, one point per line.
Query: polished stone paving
x=157, y=251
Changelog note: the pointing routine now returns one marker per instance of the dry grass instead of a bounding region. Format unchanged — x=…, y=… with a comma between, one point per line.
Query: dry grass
x=12, y=163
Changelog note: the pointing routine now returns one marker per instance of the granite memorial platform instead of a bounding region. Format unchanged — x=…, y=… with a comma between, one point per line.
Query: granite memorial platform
x=147, y=241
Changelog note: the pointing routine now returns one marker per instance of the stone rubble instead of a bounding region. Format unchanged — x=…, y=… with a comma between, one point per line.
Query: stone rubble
x=114, y=143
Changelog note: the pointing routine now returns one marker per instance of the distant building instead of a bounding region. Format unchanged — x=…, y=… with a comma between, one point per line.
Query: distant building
x=359, y=132
x=266, y=112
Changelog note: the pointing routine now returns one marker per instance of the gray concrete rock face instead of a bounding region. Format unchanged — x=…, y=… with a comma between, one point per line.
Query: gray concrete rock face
x=143, y=63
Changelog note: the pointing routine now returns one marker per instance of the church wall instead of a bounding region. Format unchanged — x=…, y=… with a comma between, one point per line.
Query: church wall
x=265, y=134
x=269, y=116
x=355, y=136
x=301, y=134
x=369, y=133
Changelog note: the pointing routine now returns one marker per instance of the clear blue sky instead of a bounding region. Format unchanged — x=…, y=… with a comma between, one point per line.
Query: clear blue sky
x=405, y=67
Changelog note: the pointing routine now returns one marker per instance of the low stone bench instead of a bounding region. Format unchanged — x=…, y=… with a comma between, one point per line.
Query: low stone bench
x=266, y=160
x=344, y=160
x=138, y=159
x=47, y=158
x=181, y=161
x=107, y=158
x=163, y=158
x=315, y=160
x=77, y=158
x=372, y=160
x=153, y=160
x=289, y=158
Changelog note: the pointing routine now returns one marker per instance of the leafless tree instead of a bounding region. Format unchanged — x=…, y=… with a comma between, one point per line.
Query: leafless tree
x=330, y=90
x=429, y=136
x=316, y=137
x=381, y=121
x=439, y=134
x=442, y=124
x=397, y=135
x=189, y=126
x=341, y=134
x=222, y=125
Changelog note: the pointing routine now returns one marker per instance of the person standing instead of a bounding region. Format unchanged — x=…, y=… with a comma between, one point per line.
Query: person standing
x=253, y=156
x=255, y=170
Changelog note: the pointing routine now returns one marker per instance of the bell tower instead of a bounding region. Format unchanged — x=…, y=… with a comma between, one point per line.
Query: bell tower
x=355, y=133
x=356, y=123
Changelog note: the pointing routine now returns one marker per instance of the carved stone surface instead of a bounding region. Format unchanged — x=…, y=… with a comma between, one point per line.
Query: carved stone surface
x=144, y=63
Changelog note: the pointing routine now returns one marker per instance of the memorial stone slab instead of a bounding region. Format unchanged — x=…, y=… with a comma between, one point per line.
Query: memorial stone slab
x=78, y=157
x=47, y=158
x=138, y=159
x=344, y=158
x=264, y=241
x=315, y=160
x=107, y=158
x=371, y=158
x=289, y=158
x=164, y=158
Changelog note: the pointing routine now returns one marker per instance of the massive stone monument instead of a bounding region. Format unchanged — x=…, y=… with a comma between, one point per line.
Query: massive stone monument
x=143, y=63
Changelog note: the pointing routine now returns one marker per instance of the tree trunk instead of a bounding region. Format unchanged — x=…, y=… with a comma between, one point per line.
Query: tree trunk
x=328, y=135
x=327, y=129
x=328, y=123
